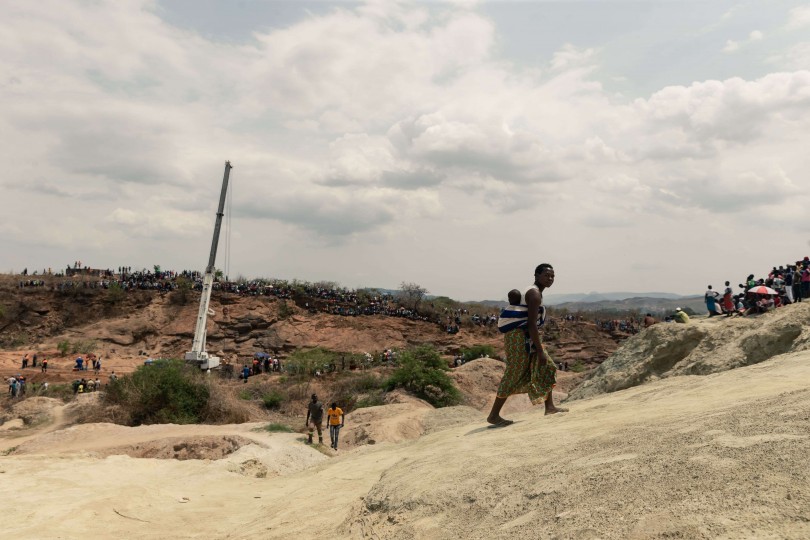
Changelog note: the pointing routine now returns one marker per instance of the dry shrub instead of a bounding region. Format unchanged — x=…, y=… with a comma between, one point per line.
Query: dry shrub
x=99, y=413
x=224, y=407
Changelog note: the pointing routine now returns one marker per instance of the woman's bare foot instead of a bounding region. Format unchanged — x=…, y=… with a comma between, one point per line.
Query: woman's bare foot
x=499, y=422
x=555, y=410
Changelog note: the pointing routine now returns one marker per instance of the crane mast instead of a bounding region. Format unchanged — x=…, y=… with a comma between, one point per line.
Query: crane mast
x=198, y=354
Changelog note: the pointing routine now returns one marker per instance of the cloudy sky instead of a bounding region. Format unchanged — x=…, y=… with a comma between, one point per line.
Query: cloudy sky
x=635, y=145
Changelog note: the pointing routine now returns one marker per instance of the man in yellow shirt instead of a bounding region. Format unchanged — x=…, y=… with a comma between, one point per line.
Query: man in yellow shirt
x=336, y=420
x=681, y=316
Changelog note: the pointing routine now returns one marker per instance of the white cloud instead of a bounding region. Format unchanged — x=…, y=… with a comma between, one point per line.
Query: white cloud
x=368, y=122
x=570, y=56
x=734, y=46
x=731, y=46
x=798, y=17
x=797, y=57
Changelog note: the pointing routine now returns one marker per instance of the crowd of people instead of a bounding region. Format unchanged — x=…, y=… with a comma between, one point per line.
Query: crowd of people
x=262, y=363
x=80, y=386
x=16, y=386
x=630, y=325
x=782, y=286
x=318, y=297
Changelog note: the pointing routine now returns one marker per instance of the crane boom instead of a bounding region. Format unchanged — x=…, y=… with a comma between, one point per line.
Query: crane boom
x=198, y=354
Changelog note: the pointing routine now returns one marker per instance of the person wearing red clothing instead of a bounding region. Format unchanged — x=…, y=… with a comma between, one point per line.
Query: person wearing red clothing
x=728, y=303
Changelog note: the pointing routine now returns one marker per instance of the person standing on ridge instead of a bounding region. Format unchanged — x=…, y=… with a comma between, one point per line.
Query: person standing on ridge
x=315, y=416
x=728, y=303
x=710, y=297
x=529, y=368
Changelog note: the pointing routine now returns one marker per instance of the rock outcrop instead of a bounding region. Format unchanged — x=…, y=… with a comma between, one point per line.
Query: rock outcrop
x=702, y=347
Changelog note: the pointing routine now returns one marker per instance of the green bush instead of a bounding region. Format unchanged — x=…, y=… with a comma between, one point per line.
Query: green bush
x=477, y=351
x=58, y=391
x=278, y=428
x=578, y=367
x=168, y=391
x=247, y=395
x=115, y=295
x=423, y=373
x=284, y=310
x=183, y=293
x=305, y=362
x=83, y=346
x=63, y=347
x=273, y=399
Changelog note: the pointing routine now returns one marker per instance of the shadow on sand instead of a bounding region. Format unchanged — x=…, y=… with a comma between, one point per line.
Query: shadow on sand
x=490, y=427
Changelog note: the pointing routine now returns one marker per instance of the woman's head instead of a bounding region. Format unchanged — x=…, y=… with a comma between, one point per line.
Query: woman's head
x=544, y=275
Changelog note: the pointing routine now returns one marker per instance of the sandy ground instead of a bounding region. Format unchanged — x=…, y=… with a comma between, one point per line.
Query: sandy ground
x=718, y=456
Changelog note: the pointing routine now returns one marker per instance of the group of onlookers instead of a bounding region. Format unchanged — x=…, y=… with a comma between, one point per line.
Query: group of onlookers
x=16, y=386
x=627, y=326
x=782, y=286
x=80, y=386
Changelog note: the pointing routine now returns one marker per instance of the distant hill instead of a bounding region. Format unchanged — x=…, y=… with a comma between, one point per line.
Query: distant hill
x=617, y=301
x=554, y=299
x=643, y=304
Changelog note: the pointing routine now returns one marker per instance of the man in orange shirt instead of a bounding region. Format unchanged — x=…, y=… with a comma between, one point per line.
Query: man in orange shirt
x=336, y=420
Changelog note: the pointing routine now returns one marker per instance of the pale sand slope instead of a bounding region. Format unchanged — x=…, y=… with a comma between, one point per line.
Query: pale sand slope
x=718, y=456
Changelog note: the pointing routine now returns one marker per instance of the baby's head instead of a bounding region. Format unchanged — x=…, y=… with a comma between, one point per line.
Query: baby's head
x=514, y=297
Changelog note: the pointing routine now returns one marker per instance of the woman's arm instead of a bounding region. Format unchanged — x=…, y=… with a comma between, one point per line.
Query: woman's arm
x=533, y=302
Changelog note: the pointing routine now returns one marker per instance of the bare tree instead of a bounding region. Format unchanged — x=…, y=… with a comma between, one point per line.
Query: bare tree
x=411, y=294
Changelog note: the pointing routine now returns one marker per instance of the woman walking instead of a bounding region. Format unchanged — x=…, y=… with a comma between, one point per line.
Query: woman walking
x=529, y=368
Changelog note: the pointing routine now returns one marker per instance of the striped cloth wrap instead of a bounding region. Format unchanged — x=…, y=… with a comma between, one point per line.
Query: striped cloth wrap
x=512, y=317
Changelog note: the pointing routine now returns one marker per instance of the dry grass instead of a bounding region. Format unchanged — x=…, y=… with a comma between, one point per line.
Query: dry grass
x=225, y=407
x=97, y=413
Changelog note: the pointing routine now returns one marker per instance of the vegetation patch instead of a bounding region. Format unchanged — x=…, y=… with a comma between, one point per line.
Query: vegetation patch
x=115, y=295
x=305, y=362
x=182, y=294
x=477, y=351
x=66, y=347
x=62, y=391
x=276, y=427
x=273, y=399
x=284, y=310
x=370, y=400
x=422, y=372
x=168, y=391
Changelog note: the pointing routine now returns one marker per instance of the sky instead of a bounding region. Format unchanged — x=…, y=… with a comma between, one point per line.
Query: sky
x=634, y=145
